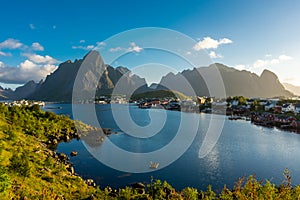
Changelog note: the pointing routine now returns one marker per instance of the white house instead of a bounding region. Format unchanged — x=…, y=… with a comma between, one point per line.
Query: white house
x=263, y=102
x=288, y=107
x=234, y=102
x=269, y=106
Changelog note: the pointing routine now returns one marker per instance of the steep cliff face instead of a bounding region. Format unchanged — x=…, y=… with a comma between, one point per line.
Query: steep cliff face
x=91, y=75
x=26, y=90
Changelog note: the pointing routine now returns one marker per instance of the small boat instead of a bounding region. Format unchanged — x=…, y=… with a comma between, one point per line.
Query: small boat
x=153, y=165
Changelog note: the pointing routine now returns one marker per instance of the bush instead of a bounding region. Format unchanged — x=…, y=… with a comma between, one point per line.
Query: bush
x=20, y=164
x=5, y=181
x=190, y=193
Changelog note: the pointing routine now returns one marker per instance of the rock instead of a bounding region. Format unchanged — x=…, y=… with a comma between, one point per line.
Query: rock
x=106, y=131
x=67, y=138
x=90, y=182
x=54, y=141
x=63, y=157
x=73, y=153
x=71, y=169
x=76, y=135
x=114, y=193
x=138, y=185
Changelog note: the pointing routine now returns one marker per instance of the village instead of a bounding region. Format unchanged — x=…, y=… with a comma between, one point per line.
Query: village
x=280, y=113
x=24, y=102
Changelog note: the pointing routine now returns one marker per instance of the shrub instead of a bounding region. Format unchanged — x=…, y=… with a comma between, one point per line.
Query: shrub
x=190, y=193
x=5, y=181
x=20, y=164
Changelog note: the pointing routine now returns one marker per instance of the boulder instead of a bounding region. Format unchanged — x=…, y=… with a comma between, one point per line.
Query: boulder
x=90, y=182
x=73, y=153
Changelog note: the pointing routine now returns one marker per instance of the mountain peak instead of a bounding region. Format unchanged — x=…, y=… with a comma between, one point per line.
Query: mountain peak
x=267, y=74
x=123, y=70
x=92, y=53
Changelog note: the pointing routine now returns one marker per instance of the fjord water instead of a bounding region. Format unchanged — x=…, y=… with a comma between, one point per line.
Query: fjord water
x=243, y=149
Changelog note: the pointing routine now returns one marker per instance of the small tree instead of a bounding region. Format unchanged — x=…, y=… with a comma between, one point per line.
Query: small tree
x=5, y=181
x=20, y=164
x=190, y=193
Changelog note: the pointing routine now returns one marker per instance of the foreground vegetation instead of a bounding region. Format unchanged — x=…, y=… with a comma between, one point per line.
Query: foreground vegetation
x=29, y=169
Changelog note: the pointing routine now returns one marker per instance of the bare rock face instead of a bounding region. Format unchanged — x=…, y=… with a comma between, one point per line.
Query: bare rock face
x=95, y=75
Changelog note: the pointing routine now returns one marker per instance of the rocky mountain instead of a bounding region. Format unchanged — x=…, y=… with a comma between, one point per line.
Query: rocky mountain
x=236, y=82
x=292, y=88
x=6, y=93
x=26, y=90
x=91, y=75
x=80, y=80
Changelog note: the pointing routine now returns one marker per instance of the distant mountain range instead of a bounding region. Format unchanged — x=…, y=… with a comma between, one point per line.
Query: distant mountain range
x=58, y=86
x=294, y=89
x=236, y=83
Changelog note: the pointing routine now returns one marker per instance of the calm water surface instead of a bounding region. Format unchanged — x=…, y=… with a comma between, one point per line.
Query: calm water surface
x=243, y=149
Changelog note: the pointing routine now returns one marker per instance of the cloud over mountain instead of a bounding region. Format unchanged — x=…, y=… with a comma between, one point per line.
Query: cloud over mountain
x=34, y=67
x=24, y=72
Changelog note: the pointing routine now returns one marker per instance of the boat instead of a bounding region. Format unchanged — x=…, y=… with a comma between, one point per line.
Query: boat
x=153, y=165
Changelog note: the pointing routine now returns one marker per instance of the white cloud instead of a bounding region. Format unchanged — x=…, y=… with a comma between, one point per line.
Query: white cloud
x=213, y=54
x=31, y=26
x=100, y=43
x=270, y=62
x=88, y=47
x=134, y=47
x=1, y=64
x=40, y=59
x=115, y=49
x=24, y=72
x=209, y=43
x=225, y=41
x=37, y=46
x=260, y=63
x=35, y=67
x=5, y=54
x=240, y=67
x=11, y=44
x=284, y=57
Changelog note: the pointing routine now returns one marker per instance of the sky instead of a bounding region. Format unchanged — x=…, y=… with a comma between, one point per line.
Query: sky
x=248, y=35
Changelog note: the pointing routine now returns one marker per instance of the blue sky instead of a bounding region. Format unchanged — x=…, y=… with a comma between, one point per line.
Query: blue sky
x=253, y=35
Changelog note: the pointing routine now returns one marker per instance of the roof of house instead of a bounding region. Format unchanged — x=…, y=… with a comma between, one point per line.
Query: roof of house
x=285, y=105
